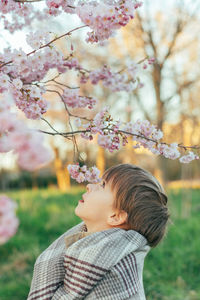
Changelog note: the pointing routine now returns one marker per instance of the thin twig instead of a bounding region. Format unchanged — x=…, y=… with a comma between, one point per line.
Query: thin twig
x=57, y=86
x=66, y=108
x=49, y=124
x=65, y=85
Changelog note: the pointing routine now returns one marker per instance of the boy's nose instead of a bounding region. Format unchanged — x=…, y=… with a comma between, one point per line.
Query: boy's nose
x=88, y=187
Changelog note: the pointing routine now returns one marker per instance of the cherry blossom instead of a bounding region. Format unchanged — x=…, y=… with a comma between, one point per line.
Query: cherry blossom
x=20, y=15
x=112, y=80
x=188, y=157
x=73, y=99
x=38, y=38
x=105, y=17
x=169, y=151
x=8, y=220
x=25, y=142
x=84, y=173
x=112, y=135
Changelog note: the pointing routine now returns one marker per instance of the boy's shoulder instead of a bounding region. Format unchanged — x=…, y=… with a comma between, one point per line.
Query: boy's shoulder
x=57, y=248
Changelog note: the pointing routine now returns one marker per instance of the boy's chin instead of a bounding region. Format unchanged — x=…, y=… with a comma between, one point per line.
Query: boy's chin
x=77, y=211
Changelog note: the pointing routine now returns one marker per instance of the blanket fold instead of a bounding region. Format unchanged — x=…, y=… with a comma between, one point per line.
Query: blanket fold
x=102, y=265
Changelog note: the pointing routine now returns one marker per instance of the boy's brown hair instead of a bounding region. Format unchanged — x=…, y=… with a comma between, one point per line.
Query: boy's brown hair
x=139, y=194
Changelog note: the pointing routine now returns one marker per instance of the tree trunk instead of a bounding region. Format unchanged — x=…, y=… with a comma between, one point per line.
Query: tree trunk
x=62, y=175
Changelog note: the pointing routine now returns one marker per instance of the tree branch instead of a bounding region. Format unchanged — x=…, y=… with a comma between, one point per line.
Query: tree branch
x=67, y=134
x=179, y=27
x=139, y=102
x=55, y=39
x=182, y=87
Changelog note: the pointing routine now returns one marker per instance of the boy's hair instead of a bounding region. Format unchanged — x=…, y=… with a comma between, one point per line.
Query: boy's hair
x=139, y=194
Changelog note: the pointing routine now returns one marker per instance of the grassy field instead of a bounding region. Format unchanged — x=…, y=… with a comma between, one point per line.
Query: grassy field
x=171, y=271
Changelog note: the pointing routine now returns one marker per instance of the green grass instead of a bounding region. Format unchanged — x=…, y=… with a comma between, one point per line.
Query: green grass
x=171, y=271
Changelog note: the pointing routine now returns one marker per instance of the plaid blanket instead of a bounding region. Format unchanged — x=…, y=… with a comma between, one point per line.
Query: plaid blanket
x=102, y=265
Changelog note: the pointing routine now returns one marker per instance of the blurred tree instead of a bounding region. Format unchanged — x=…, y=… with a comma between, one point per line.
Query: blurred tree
x=171, y=36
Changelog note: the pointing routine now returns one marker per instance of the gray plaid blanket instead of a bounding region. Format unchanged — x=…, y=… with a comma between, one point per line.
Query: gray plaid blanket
x=102, y=265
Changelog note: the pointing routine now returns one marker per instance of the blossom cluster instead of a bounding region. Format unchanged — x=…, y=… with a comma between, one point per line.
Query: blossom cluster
x=105, y=17
x=73, y=99
x=115, y=81
x=128, y=79
x=16, y=136
x=111, y=135
x=55, y=7
x=84, y=173
x=22, y=73
x=185, y=159
x=38, y=38
x=20, y=77
x=8, y=220
x=148, y=136
x=20, y=15
x=28, y=98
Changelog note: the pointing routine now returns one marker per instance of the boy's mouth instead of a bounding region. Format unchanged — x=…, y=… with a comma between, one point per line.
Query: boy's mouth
x=82, y=200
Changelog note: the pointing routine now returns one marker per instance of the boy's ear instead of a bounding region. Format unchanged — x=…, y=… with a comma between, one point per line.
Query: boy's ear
x=117, y=218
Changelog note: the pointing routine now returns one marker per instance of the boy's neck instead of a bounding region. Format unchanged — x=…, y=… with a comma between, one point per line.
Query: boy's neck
x=96, y=228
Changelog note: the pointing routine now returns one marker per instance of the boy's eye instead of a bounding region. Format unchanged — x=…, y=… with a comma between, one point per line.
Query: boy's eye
x=103, y=184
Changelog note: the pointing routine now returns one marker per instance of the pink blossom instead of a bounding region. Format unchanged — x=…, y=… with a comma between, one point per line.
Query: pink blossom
x=105, y=17
x=34, y=158
x=115, y=81
x=4, y=80
x=143, y=128
x=15, y=135
x=72, y=64
x=110, y=142
x=73, y=99
x=38, y=38
x=68, y=6
x=80, y=178
x=20, y=14
x=92, y=175
x=188, y=157
x=17, y=83
x=151, y=60
x=8, y=220
x=169, y=151
x=73, y=170
x=6, y=205
x=81, y=174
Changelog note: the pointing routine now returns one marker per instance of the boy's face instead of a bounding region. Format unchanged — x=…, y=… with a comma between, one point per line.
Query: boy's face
x=96, y=206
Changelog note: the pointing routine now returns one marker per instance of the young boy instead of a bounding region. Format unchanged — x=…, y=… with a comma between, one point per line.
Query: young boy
x=103, y=257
